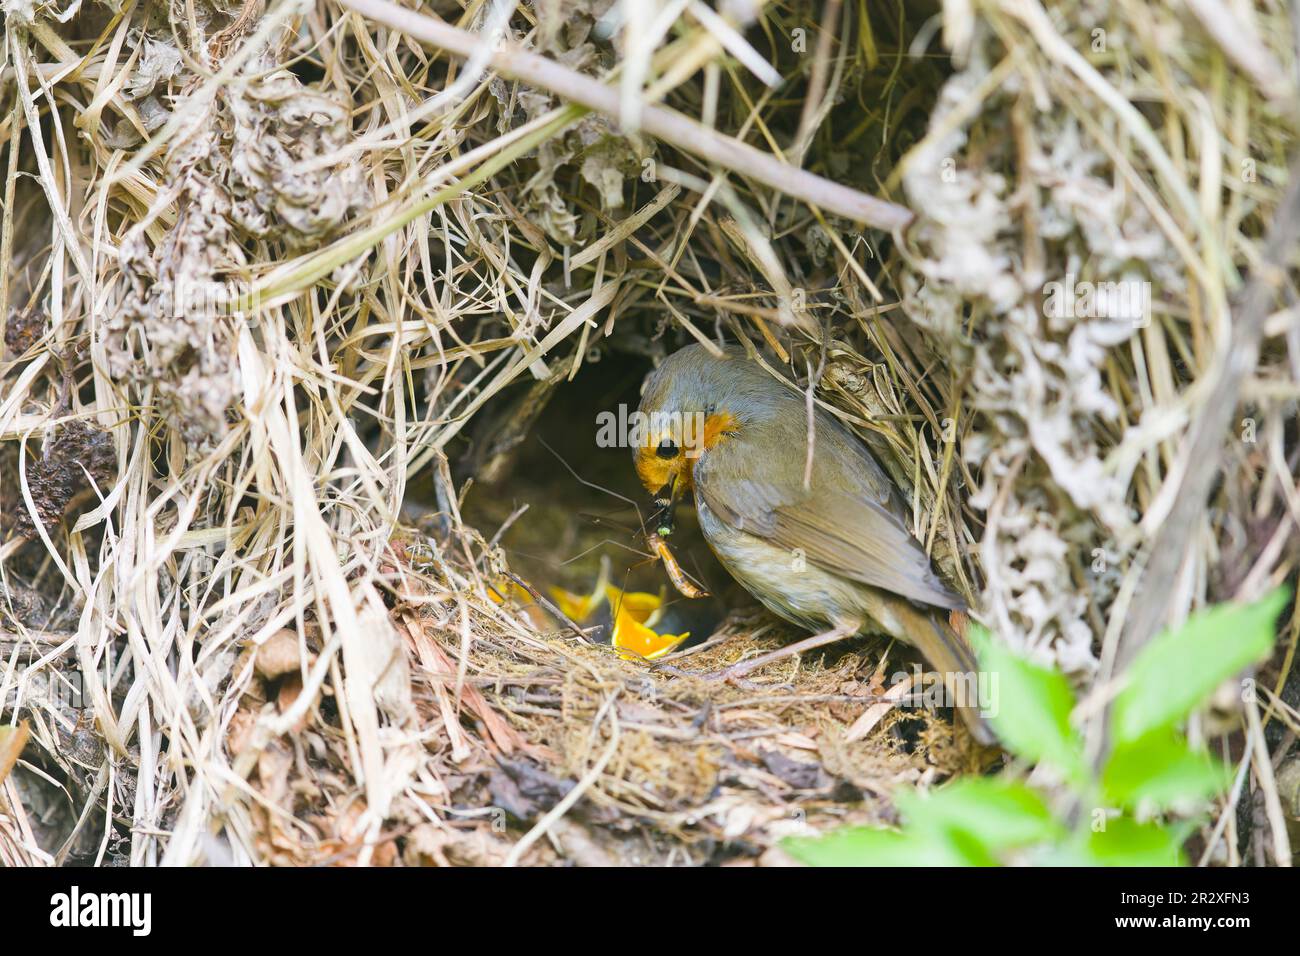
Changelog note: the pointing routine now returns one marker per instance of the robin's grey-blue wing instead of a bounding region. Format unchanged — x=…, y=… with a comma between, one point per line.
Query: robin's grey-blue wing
x=849, y=522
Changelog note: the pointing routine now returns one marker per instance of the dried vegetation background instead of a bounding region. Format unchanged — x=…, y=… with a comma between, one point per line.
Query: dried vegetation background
x=276, y=283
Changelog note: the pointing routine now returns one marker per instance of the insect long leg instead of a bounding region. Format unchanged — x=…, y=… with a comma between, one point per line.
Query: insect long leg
x=591, y=484
x=662, y=523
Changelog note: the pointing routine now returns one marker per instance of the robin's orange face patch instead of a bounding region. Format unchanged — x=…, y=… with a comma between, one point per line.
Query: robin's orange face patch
x=670, y=457
x=718, y=428
x=655, y=472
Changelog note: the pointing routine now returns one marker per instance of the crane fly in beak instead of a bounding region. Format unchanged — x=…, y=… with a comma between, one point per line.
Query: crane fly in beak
x=661, y=519
x=662, y=522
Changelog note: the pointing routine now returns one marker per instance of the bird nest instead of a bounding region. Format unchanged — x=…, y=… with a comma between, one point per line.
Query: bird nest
x=309, y=316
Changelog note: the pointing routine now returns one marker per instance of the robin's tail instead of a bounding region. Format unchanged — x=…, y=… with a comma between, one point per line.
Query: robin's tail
x=946, y=649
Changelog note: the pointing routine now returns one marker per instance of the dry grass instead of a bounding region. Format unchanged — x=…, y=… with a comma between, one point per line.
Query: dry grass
x=266, y=271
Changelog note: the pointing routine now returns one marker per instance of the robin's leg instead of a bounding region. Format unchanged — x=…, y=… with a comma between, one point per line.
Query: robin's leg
x=837, y=633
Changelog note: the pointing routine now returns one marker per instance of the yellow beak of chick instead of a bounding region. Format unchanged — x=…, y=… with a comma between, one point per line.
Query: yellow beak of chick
x=635, y=614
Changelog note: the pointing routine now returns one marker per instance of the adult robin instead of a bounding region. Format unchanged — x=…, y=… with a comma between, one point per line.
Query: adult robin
x=819, y=536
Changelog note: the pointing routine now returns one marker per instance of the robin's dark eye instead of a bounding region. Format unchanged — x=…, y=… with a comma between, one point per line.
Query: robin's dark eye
x=667, y=448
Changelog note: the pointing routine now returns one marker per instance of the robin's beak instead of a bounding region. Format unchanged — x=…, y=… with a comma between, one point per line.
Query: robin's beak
x=665, y=503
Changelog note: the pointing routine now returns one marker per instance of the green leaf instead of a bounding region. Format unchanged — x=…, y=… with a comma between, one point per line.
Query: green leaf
x=868, y=846
x=1161, y=769
x=1125, y=842
x=1179, y=669
x=1030, y=707
x=964, y=824
x=997, y=814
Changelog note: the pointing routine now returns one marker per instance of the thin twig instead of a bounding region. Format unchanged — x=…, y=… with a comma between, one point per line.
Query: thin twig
x=659, y=121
